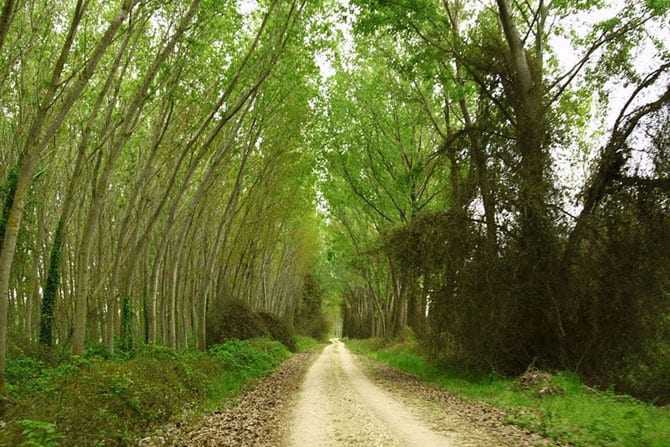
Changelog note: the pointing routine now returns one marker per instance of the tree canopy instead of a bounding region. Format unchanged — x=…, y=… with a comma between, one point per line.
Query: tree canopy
x=492, y=174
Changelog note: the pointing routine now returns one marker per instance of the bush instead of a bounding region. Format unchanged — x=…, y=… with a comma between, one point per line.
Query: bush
x=95, y=400
x=600, y=308
x=233, y=320
x=646, y=375
x=87, y=402
x=305, y=344
x=236, y=321
x=253, y=355
x=279, y=330
x=39, y=434
x=309, y=317
x=317, y=327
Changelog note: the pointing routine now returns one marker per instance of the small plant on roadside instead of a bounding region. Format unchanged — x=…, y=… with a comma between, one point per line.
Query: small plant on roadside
x=39, y=434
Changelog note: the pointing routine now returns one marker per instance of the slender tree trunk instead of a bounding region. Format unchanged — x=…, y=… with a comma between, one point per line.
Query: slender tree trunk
x=35, y=142
x=6, y=17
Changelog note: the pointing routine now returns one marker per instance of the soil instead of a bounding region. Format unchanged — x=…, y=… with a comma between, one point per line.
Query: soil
x=334, y=398
x=346, y=401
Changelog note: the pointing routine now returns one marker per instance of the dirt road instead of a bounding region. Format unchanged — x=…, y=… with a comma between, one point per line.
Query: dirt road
x=338, y=405
x=334, y=398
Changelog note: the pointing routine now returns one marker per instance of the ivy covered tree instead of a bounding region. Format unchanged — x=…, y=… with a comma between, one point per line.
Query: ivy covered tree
x=450, y=129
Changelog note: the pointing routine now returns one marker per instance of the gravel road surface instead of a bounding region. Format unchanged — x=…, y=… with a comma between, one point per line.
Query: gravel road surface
x=339, y=405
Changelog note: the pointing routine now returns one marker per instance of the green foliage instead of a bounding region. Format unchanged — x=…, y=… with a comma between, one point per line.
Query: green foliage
x=305, y=344
x=278, y=330
x=254, y=356
x=94, y=400
x=23, y=371
x=310, y=319
x=7, y=195
x=39, y=434
x=397, y=16
x=580, y=416
x=242, y=361
x=234, y=320
x=658, y=6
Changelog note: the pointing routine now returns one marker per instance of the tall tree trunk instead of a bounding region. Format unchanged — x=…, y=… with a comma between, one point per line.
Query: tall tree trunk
x=536, y=241
x=477, y=150
x=6, y=17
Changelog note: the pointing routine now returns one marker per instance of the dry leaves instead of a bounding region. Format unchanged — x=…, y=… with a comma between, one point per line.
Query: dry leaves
x=539, y=382
x=256, y=419
x=480, y=415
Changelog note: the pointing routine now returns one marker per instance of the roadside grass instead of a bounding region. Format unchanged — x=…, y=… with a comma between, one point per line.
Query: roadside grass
x=93, y=400
x=244, y=361
x=305, y=344
x=580, y=416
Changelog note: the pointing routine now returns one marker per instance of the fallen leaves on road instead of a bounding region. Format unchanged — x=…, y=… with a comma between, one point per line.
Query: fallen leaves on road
x=256, y=419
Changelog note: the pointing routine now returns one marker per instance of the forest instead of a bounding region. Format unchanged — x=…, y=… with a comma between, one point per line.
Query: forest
x=186, y=183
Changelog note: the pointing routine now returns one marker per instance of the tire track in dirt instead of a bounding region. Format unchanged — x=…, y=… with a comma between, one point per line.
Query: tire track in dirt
x=446, y=411
x=339, y=405
x=340, y=400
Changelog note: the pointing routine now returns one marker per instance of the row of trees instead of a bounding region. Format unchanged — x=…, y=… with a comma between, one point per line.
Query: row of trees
x=447, y=139
x=149, y=152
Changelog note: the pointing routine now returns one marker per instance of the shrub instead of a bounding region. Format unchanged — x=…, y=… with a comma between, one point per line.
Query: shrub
x=304, y=343
x=279, y=330
x=600, y=308
x=317, y=327
x=309, y=317
x=39, y=434
x=233, y=320
x=96, y=401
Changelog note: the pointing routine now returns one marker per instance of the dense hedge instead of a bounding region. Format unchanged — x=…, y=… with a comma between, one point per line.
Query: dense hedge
x=601, y=310
x=235, y=320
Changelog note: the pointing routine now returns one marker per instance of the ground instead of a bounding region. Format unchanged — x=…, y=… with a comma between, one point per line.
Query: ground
x=334, y=398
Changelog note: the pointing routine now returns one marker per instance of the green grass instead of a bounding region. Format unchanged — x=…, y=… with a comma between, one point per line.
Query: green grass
x=94, y=400
x=245, y=361
x=305, y=344
x=579, y=416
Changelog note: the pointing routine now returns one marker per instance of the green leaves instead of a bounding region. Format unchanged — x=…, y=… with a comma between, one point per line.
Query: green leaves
x=658, y=6
x=39, y=434
x=398, y=16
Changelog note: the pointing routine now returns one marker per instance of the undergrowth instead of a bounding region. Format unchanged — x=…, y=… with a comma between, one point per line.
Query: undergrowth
x=96, y=400
x=580, y=415
x=304, y=344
